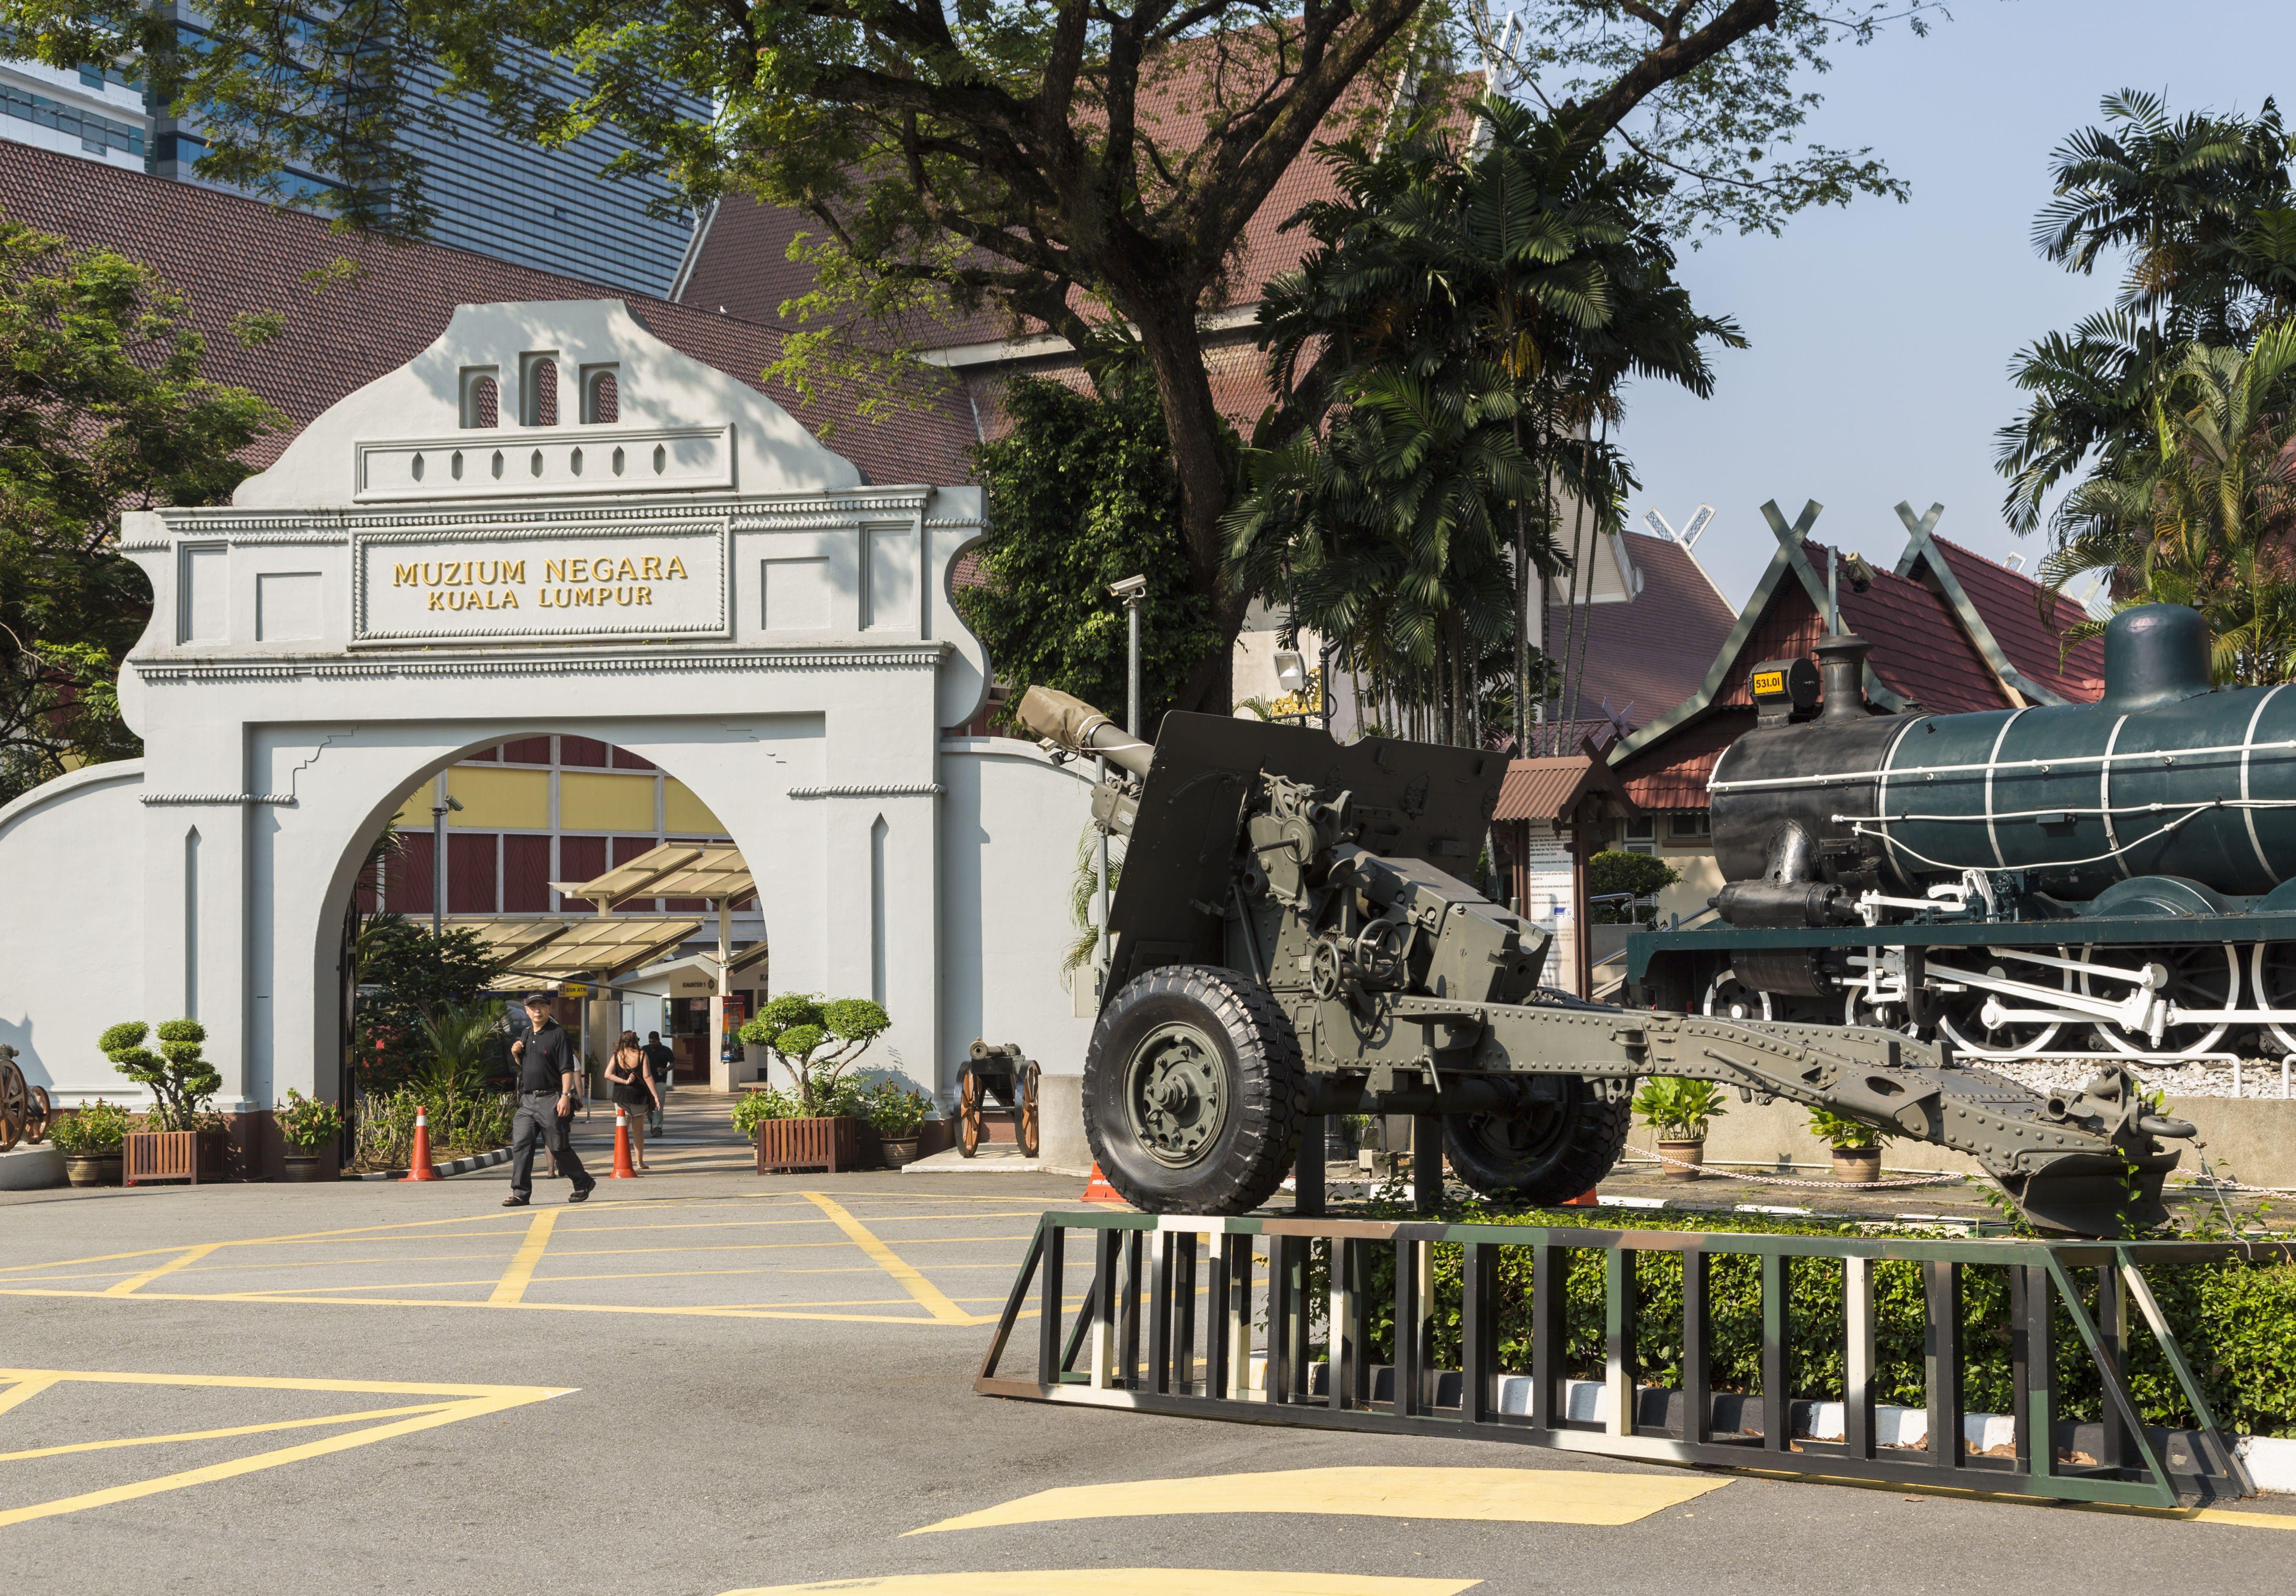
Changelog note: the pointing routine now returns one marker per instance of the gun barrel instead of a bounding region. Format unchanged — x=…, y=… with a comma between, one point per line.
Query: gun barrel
x=1079, y=727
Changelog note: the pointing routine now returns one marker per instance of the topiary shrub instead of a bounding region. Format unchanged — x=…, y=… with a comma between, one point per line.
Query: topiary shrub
x=178, y=1076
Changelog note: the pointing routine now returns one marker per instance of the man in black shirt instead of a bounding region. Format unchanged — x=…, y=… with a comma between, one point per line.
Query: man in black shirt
x=658, y=1060
x=545, y=1104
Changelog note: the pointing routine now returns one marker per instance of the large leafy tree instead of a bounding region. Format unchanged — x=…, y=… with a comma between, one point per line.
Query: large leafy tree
x=1063, y=163
x=1082, y=494
x=1473, y=302
x=2197, y=209
x=102, y=408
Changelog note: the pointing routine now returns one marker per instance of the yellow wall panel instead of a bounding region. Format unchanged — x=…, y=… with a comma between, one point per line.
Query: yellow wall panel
x=499, y=801
x=414, y=814
x=605, y=803
x=686, y=813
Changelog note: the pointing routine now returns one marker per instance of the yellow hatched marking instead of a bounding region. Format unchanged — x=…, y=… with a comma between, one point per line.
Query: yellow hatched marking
x=464, y=1402
x=930, y=1295
x=29, y=1385
x=700, y=1311
x=1130, y=1582
x=134, y=1283
x=218, y=1434
x=511, y=1287
x=1505, y=1496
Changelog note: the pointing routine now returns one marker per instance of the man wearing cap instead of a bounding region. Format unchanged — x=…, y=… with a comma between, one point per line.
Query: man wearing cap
x=545, y=1104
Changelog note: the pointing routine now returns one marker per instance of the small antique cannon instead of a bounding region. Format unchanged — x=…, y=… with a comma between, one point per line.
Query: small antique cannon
x=1000, y=1072
x=24, y=1107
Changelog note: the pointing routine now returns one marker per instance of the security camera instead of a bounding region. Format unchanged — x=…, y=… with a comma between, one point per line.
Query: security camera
x=1130, y=588
x=454, y=803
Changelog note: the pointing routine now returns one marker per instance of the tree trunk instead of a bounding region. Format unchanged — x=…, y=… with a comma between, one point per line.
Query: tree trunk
x=1170, y=338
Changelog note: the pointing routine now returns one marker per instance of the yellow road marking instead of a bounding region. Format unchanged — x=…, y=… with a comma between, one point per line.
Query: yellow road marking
x=2249, y=1520
x=1131, y=1582
x=701, y=1311
x=190, y=1254
x=891, y=1262
x=512, y=1287
x=466, y=1401
x=1509, y=1496
x=29, y=1385
x=218, y=1434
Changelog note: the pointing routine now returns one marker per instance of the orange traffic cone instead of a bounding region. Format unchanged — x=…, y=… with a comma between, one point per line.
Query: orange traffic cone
x=1098, y=1189
x=1585, y=1200
x=421, y=1169
x=622, y=1170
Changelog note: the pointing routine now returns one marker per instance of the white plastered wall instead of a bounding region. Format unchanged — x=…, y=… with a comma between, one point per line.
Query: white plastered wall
x=799, y=681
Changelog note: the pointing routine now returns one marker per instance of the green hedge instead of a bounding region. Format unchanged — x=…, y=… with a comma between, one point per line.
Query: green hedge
x=2235, y=1322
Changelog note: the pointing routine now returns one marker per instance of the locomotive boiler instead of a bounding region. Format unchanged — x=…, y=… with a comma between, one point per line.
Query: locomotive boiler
x=2116, y=878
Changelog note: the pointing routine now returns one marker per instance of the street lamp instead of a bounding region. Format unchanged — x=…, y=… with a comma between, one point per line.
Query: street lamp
x=1131, y=590
x=441, y=802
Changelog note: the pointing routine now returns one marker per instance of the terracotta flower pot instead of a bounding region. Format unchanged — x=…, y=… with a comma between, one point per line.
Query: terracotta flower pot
x=1690, y=1153
x=901, y=1151
x=1857, y=1166
x=93, y=1169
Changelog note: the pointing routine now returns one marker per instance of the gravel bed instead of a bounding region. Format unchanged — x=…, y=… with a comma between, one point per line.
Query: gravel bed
x=2259, y=1077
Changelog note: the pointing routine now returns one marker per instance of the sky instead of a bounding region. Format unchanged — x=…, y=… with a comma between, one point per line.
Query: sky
x=1882, y=334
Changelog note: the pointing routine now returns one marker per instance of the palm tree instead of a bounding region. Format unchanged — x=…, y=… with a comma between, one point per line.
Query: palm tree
x=2201, y=207
x=2207, y=516
x=1451, y=336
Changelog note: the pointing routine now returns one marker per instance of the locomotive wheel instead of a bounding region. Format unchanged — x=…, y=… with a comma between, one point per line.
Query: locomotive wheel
x=2202, y=975
x=1561, y=1139
x=2272, y=984
x=1031, y=1125
x=967, y=1113
x=1195, y=1092
x=1964, y=1018
x=1729, y=998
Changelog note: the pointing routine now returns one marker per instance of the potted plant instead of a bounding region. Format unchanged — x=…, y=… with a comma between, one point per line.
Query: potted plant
x=308, y=1125
x=181, y=1141
x=1678, y=1110
x=1857, y=1146
x=898, y=1114
x=90, y=1139
x=818, y=1041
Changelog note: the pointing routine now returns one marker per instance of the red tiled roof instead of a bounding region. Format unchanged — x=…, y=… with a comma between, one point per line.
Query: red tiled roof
x=1549, y=788
x=2013, y=607
x=227, y=255
x=1672, y=772
x=1645, y=656
x=1919, y=648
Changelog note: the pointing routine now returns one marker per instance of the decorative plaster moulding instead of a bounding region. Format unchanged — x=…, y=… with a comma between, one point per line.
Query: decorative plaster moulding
x=865, y=790
x=523, y=462
x=909, y=656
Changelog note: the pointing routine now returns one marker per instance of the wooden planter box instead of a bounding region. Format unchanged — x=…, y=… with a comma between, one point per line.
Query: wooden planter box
x=785, y=1145
x=192, y=1156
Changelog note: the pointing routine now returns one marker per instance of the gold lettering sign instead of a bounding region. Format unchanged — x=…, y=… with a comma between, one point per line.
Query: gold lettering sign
x=469, y=584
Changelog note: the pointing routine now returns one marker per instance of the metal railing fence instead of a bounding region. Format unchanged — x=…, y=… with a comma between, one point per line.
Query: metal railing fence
x=1166, y=1322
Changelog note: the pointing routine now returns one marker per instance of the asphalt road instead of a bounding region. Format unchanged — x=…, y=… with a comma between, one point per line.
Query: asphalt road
x=708, y=1382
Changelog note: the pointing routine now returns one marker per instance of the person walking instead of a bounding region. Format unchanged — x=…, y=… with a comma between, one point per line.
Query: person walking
x=660, y=1058
x=630, y=1079
x=545, y=1104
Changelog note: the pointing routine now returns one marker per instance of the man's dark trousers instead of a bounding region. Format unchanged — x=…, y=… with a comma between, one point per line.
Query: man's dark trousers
x=538, y=1121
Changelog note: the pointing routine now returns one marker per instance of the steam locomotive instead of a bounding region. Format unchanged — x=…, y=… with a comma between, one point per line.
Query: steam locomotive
x=2116, y=878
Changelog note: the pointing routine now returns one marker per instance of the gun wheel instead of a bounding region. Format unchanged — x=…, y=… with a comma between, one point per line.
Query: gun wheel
x=1558, y=1142
x=967, y=1113
x=1194, y=1092
x=1031, y=1125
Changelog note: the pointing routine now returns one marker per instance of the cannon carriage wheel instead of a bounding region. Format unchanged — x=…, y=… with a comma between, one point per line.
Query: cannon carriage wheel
x=968, y=1112
x=24, y=1109
x=1195, y=1092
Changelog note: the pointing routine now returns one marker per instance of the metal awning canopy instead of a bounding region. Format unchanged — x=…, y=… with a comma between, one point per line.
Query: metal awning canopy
x=673, y=870
x=558, y=948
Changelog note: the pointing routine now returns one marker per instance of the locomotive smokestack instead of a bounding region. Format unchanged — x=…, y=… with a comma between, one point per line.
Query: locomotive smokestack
x=1842, y=664
x=2155, y=654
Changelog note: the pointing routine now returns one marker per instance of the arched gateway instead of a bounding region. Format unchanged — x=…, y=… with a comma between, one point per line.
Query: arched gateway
x=434, y=565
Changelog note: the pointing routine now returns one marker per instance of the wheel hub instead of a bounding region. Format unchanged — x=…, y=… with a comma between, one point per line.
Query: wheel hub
x=1175, y=1090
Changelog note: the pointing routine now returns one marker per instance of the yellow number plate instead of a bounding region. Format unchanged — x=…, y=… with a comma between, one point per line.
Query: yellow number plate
x=1769, y=681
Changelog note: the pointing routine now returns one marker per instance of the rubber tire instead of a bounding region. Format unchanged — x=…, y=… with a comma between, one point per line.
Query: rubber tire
x=1594, y=1133
x=1267, y=1082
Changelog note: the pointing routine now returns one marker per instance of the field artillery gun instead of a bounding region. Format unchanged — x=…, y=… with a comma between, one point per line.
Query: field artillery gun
x=1289, y=941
